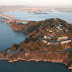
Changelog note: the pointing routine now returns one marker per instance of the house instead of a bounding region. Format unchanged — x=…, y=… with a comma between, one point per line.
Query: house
x=50, y=30
x=53, y=42
x=47, y=29
x=58, y=27
x=14, y=21
x=66, y=30
x=66, y=41
x=44, y=40
x=63, y=37
x=26, y=52
x=47, y=37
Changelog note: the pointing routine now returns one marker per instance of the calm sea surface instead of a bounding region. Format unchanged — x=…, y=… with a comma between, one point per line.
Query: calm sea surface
x=32, y=67
x=67, y=16
x=8, y=36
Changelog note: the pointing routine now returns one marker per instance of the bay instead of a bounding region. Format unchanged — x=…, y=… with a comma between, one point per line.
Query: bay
x=9, y=37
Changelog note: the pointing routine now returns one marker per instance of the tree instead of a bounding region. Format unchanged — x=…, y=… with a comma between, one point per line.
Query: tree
x=60, y=47
x=14, y=47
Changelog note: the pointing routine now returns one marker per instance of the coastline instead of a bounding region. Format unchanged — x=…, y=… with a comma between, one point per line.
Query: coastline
x=18, y=28
x=36, y=60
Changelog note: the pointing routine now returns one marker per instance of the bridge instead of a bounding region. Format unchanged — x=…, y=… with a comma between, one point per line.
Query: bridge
x=6, y=18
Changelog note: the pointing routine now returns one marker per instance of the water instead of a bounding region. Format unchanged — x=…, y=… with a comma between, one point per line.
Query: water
x=67, y=16
x=32, y=67
x=8, y=36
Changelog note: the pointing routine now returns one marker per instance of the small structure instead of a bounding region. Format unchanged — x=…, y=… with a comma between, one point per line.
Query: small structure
x=58, y=27
x=14, y=21
x=26, y=52
x=70, y=67
x=49, y=30
x=66, y=30
x=44, y=40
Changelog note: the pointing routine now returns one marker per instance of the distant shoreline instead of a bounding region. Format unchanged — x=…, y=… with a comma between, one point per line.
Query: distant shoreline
x=64, y=9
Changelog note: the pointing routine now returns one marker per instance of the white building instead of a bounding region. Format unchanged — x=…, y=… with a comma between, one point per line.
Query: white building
x=60, y=28
x=49, y=30
x=47, y=37
x=44, y=40
x=60, y=25
x=63, y=37
x=53, y=42
x=66, y=41
x=57, y=27
x=66, y=30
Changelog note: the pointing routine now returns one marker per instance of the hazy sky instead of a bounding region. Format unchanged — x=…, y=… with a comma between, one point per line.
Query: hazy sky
x=37, y=2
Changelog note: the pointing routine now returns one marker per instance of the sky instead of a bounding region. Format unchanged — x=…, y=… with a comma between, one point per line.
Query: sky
x=37, y=2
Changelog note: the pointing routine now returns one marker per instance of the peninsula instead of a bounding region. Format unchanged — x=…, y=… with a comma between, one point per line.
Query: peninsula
x=49, y=40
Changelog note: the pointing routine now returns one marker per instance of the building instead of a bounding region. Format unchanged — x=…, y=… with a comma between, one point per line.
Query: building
x=50, y=30
x=47, y=37
x=26, y=52
x=47, y=29
x=61, y=38
x=66, y=30
x=44, y=40
x=66, y=41
x=53, y=42
x=58, y=27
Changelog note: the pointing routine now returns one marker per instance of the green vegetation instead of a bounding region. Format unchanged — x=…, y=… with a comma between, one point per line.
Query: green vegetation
x=14, y=47
x=70, y=54
x=36, y=30
x=34, y=47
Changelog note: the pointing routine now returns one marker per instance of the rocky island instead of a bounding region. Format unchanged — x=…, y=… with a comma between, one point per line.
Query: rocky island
x=49, y=41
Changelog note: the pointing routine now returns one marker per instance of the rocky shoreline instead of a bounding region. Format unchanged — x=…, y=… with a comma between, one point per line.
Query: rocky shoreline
x=36, y=60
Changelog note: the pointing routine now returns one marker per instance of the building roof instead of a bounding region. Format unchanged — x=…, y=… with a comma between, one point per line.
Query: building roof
x=48, y=35
x=44, y=39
